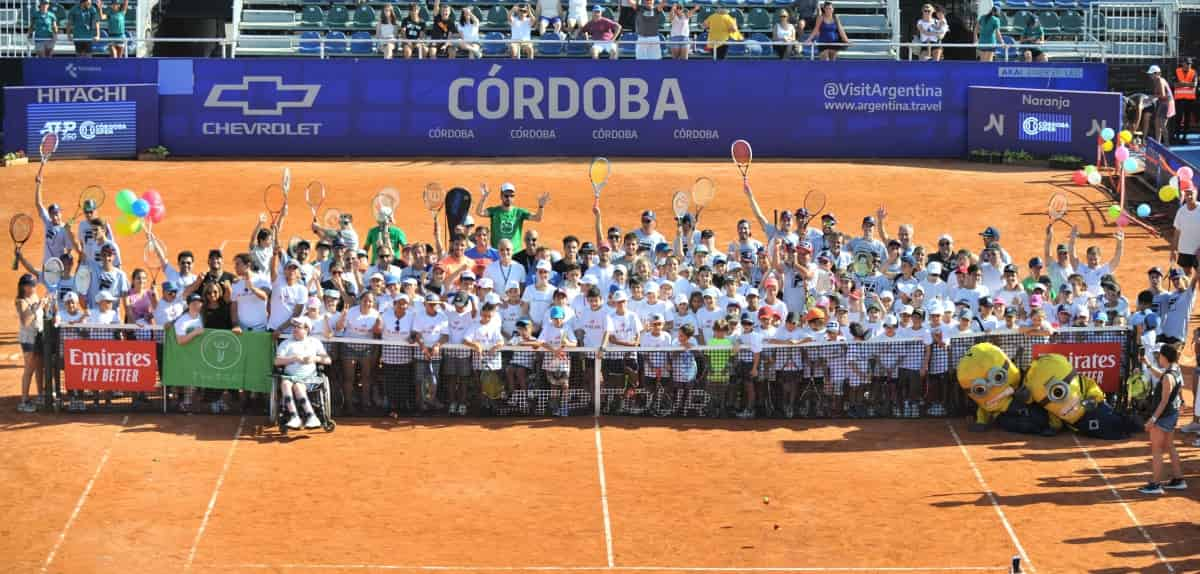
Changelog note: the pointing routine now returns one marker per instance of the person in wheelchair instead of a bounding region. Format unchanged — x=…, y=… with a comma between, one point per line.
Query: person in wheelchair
x=299, y=356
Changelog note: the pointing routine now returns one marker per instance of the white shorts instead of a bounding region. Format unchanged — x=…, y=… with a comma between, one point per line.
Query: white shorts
x=578, y=16
x=648, y=48
x=605, y=47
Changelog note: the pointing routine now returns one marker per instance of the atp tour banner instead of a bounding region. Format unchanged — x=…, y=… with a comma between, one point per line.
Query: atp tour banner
x=263, y=107
x=1041, y=122
x=98, y=120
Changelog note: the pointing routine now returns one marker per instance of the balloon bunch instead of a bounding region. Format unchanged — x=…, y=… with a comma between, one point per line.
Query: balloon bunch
x=135, y=211
x=1089, y=175
x=1181, y=180
x=1107, y=134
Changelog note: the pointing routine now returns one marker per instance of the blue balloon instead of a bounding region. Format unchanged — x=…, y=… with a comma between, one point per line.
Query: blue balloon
x=140, y=208
x=1143, y=210
x=1107, y=134
x=1130, y=164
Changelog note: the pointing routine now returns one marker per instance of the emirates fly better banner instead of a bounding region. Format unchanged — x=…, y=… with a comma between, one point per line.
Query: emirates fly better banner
x=110, y=365
x=1100, y=362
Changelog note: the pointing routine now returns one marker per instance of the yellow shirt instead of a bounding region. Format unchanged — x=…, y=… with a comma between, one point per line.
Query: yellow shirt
x=721, y=29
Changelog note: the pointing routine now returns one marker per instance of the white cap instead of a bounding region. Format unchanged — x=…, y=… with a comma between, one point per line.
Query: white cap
x=512, y=284
x=887, y=295
x=301, y=322
x=492, y=298
x=105, y=296
x=650, y=286
x=588, y=280
x=907, y=310
x=468, y=221
x=486, y=283
x=620, y=295
x=752, y=292
x=376, y=275
x=712, y=292
x=681, y=300
x=1154, y=69
x=946, y=237
x=385, y=212
x=543, y=264
x=620, y=268
x=507, y=186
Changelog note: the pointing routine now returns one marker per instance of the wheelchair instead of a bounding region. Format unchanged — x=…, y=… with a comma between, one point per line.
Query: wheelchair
x=320, y=396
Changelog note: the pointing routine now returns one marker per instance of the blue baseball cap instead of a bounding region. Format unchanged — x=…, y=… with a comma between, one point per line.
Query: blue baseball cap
x=391, y=279
x=557, y=312
x=597, y=8
x=170, y=287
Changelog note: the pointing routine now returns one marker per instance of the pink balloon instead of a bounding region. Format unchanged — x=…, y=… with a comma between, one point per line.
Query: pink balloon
x=157, y=213
x=1185, y=172
x=1122, y=220
x=1121, y=154
x=152, y=196
x=1079, y=178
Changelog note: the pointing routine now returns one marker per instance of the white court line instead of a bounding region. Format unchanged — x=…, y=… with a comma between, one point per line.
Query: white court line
x=608, y=541
x=1012, y=534
x=62, y=536
x=306, y=566
x=1121, y=499
x=212, y=502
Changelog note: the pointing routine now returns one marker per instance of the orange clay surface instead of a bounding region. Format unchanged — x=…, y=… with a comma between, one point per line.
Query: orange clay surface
x=171, y=493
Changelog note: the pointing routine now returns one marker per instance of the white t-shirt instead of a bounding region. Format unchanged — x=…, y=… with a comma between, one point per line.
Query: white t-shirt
x=55, y=243
x=251, y=311
x=539, y=300
x=396, y=329
x=1091, y=276
x=186, y=324
x=593, y=324
x=509, y=313
x=360, y=325
x=469, y=32
x=656, y=363
x=681, y=26
x=785, y=32
x=430, y=329
x=522, y=29
x=284, y=299
x=306, y=347
x=166, y=312
x=930, y=30
x=1187, y=221
x=625, y=327
x=487, y=335
x=460, y=322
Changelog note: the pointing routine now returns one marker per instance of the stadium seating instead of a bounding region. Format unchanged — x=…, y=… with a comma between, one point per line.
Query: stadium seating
x=360, y=43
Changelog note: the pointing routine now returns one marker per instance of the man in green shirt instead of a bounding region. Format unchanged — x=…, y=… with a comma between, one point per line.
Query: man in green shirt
x=114, y=14
x=85, y=27
x=43, y=25
x=508, y=222
x=395, y=235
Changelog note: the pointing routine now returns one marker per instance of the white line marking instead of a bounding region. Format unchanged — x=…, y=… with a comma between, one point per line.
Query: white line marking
x=212, y=502
x=62, y=536
x=610, y=568
x=1012, y=534
x=608, y=541
x=1121, y=499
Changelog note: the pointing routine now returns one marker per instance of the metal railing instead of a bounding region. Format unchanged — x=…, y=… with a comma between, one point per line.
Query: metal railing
x=1135, y=30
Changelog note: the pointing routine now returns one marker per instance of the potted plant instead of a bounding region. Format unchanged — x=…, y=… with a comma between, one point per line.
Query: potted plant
x=979, y=156
x=1065, y=161
x=996, y=157
x=1017, y=156
x=15, y=158
x=156, y=153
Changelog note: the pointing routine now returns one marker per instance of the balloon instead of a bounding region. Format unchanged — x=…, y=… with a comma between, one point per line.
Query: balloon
x=1125, y=136
x=157, y=213
x=1089, y=168
x=128, y=224
x=1168, y=193
x=1185, y=173
x=1094, y=178
x=1079, y=177
x=1130, y=164
x=1107, y=134
x=1114, y=211
x=125, y=199
x=1106, y=146
x=140, y=208
x=1173, y=182
x=1123, y=220
x=1121, y=154
x=152, y=196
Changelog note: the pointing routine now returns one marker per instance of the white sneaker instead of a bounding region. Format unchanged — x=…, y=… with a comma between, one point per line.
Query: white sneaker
x=26, y=407
x=453, y=409
x=1193, y=427
x=311, y=422
x=462, y=409
x=294, y=422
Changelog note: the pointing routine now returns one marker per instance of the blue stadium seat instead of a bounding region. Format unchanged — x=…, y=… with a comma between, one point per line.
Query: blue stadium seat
x=497, y=18
x=737, y=49
x=551, y=45
x=310, y=43
x=739, y=17
x=364, y=17
x=579, y=48
x=337, y=17
x=494, y=48
x=1017, y=4
x=1010, y=51
x=1043, y=4
x=360, y=43
x=1050, y=22
x=758, y=19
x=1065, y=4
x=700, y=48
x=730, y=3
x=312, y=16
x=627, y=50
x=101, y=46
x=335, y=43
x=1072, y=23
x=759, y=2
x=758, y=45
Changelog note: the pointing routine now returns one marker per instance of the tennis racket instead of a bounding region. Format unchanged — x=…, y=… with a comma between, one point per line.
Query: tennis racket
x=274, y=197
x=314, y=196
x=292, y=243
x=814, y=202
x=702, y=193
x=742, y=155
x=52, y=272
x=150, y=256
x=286, y=182
x=384, y=203
x=46, y=149
x=598, y=173
x=20, y=227
x=1057, y=207
x=332, y=218
x=433, y=197
x=92, y=193
x=83, y=280
x=680, y=202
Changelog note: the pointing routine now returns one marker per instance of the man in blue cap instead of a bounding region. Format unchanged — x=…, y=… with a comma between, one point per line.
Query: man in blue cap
x=991, y=239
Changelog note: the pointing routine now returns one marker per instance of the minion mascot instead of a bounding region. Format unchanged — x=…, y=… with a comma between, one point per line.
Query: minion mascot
x=1074, y=399
x=994, y=383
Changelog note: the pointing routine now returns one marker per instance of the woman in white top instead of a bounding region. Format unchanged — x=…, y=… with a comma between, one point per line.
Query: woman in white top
x=361, y=322
x=29, y=316
x=468, y=33
x=385, y=31
x=931, y=28
x=787, y=32
x=520, y=19
x=681, y=30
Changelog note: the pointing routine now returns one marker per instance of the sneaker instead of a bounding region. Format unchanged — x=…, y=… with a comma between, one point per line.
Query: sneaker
x=311, y=422
x=789, y=412
x=214, y=407
x=746, y=414
x=1151, y=488
x=462, y=409
x=1176, y=484
x=26, y=407
x=1193, y=427
x=1196, y=442
x=293, y=422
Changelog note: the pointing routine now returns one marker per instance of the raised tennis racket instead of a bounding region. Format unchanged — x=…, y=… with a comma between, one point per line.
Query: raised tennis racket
x=742, y=155
x=314, y=196
x=286, y=182
x=814, y=203
x=274, y=197
x=20, y=227
x=680, y=202
x=46, y=149
x=92, y=195
x=83, y=280
x=52, y=272
x=332, y=218
x=598, y=173
x=433, y=197
x=384, y=203
x=1057, y=207
x=703, y=192
x=292, y=243
x=150, y=256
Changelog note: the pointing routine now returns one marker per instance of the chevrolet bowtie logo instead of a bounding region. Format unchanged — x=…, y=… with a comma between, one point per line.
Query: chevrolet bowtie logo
x=264, y=91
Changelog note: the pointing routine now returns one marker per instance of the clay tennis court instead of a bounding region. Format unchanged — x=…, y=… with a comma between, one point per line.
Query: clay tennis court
x=170, y=493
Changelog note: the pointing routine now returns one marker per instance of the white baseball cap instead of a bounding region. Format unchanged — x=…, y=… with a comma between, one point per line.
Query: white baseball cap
x=1154, y=69
x=543, y=264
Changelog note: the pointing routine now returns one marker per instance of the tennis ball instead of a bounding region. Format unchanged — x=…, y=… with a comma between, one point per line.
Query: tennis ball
x=766, y=500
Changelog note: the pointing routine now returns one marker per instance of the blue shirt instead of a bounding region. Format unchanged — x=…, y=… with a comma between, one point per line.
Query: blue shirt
x=83, y=22
x=43, y=25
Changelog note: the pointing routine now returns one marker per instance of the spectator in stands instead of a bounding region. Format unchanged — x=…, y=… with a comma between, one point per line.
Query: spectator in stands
x=828, y=32
x=115, y=15
x=169, y=307
x=1166, y=400
x=1184, y=91
x=299, y=356
x=931, y=28
x=577, y=16
x=43, y=28
x=430, y=332
x=721, y=29
x=385, y=31
x=413, y=29
x=1092, y=270
x=30, y=314
x=646, y=27
x=1033, y=35
x=987, y=34
x=681, y=30
x=361, y=322
x=1164, y=104
x=84, y=28
x=468, y=33
x=138, y=308
x=603, y=34
x=520, y=22
x=785, y=34
x=508, y=221
x=549, y=13
x=442, y=28
x=288, y=294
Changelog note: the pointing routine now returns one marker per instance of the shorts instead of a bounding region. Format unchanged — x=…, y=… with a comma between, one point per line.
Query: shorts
x=30, y=347
x=522, y=45
x=605, y=47
x=550, y=20
x=833, y=47
x=456, y=365
x=1186, y=260
x=1035, y=52
x=311, y=384
x=910, y=377
x=648, y=48
x=1166, y=423
x=677, y=42
x=45, y=45
x=987, y=48
x=83, y=47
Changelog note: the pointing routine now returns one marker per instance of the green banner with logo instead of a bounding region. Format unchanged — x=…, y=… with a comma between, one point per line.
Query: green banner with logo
x=219, y=359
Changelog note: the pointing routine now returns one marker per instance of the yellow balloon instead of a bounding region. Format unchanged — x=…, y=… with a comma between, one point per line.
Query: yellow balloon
x=1168, y=193
x=1107, y=146
x=128, y=224
x=1125, y=136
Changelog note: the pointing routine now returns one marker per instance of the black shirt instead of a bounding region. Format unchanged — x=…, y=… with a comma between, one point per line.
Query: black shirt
x=217, y=318
x=441, y=29
x=412, y=29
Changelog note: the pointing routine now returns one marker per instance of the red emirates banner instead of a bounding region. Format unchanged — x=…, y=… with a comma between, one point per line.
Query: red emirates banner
x=110, y=365
x=1100, y=362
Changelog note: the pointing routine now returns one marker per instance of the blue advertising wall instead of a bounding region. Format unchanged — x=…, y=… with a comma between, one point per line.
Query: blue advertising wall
x=1158, y=154
x=99, y=120
x=264, y=107
x=1041, y=122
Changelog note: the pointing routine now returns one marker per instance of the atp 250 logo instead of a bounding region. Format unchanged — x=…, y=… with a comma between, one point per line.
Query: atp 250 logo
x=87, y=130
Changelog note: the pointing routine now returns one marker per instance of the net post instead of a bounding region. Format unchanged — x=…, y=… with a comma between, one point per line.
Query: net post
x=597, y=379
